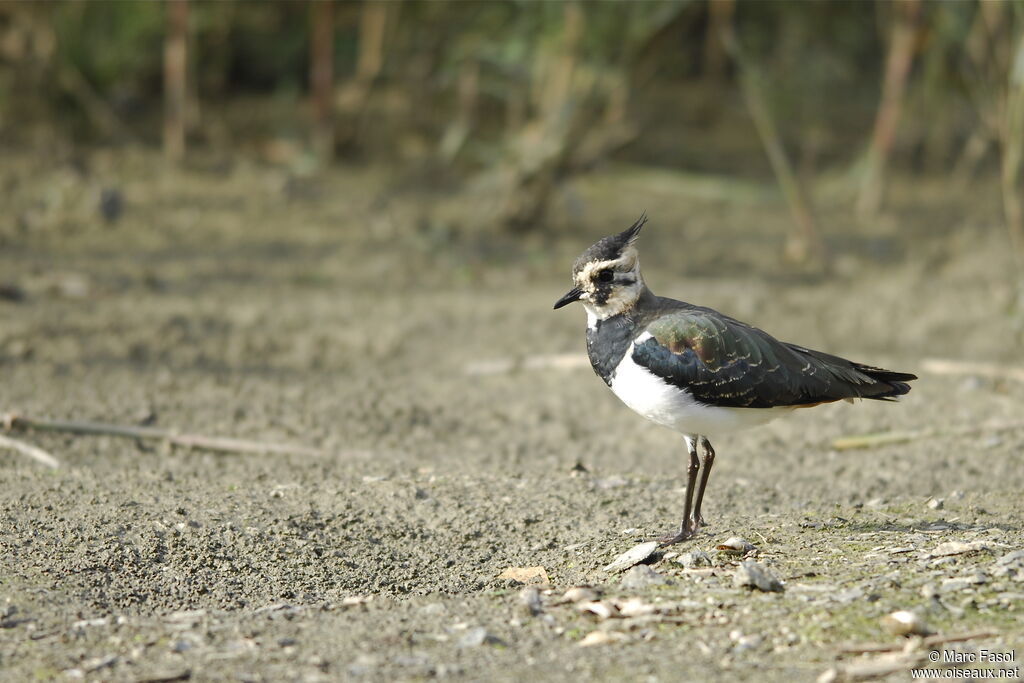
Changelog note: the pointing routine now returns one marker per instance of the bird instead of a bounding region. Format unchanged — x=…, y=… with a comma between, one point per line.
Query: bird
x=697, y=371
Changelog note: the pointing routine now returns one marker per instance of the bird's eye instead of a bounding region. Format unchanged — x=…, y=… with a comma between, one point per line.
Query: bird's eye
x=605, y=276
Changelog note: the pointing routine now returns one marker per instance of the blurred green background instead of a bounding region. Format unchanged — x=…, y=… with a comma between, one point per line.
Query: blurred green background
x=515, y=99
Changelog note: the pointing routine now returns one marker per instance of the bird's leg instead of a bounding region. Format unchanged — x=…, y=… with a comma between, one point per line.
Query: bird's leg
x=687, y=526
x=705, y=473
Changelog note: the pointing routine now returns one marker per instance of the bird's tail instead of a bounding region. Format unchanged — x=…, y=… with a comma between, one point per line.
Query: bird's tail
x=888, y=383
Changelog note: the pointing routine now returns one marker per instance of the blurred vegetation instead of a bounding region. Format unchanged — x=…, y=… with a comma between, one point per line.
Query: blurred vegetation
x=517, y=96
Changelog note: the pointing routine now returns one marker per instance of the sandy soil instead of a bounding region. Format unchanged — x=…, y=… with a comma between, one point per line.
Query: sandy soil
x=238, y=300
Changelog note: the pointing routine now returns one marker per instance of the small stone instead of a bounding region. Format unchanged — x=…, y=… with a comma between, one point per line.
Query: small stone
x=579, y=594
x=641, y=576
x=905, y=623
x=757, y=576
x=601, y=638
x=633, y=556
x=963, y=582
x=849, y=595
x=355, y=600
x=694, y=559
x=954, y=585
x=536, y=575
x=475, y=637
x=1010, y=558
x=830, y=676
x=601, y=609
x=736, y=546
x=935, y=503
x=744, y=643
x=958, y=548
x=1011, y=598
x=529, y=597
x=635, y=607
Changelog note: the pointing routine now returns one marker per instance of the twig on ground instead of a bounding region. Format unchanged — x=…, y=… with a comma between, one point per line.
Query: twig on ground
x=879, y=667
x=197, y=441
x=848, y=443
x=930, y=641
x=891, y=658
x=37, y=454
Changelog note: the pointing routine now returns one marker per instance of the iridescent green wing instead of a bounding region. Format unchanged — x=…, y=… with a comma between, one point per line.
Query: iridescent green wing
x=723, y=362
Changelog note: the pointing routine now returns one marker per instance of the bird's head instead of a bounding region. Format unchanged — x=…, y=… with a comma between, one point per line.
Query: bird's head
x=607, y=275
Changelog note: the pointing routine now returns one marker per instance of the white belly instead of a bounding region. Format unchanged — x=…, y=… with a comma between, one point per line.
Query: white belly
x=676, y=408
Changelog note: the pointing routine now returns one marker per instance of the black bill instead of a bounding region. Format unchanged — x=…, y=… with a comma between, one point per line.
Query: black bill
x=573, y=294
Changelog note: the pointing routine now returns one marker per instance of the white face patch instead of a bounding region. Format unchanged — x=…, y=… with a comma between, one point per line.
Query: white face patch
x=622, y=296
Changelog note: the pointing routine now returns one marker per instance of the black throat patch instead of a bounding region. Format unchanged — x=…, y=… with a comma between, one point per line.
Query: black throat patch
x=607, y=343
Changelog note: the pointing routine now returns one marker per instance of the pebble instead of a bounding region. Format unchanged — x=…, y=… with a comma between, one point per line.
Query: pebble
x=905, y=623
x=848, y=595
x=935, y=503
x=737, y=546
x=601, y=609
x=529, y=597
x=962, y=582
x=526, y=575
x=641, y=576
x=633, y=556
x=958, y=548
x=693, y=559
x=601, y=638
x=1009, y=558
x=757, y=576
x=580, y=594
x=635, y=607
x=475, y=637
x=744, y=643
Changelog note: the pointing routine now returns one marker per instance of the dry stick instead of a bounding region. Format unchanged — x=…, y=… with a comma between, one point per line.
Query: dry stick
x=806, y=241
x=31, y=451
x=207, y=443
x=930, y=641
x=847, y=443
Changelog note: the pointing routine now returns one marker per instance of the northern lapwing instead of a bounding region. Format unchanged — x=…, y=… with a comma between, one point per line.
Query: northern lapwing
x=696, y=371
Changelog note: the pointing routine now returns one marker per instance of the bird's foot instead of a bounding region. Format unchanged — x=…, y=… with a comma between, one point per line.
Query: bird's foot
x=687, y=530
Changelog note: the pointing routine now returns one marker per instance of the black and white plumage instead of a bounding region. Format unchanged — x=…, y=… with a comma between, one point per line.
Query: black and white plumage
x=696, y=371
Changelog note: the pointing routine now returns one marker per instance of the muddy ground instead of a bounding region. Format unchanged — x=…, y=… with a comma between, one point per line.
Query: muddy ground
x=239, y=300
